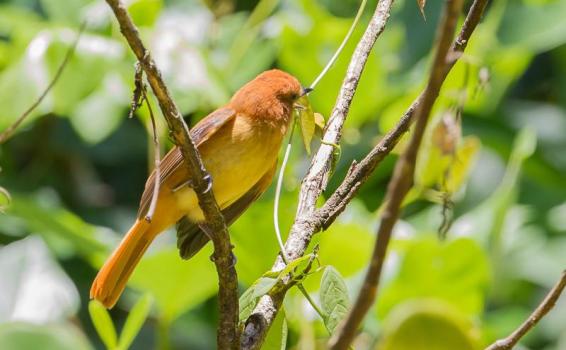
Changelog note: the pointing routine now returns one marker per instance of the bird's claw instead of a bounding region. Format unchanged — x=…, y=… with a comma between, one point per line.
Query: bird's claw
x=233, y=258
x=208, y=180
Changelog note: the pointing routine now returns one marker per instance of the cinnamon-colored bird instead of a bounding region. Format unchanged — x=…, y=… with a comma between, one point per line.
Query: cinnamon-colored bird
x=239, y=145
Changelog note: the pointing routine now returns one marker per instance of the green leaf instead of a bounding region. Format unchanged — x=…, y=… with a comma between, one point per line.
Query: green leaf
x=347, y=246
x=294, y=264
x=145, y=12
x=263, y=286
x=462, y=164
x=525, y=144
x=428, y=324
x=456, y=272
x=247, y=303
x=333, y=297
x=538, y=27
x=251, y=296
x=24, y=336
x=100, y=113
x=5, y=199
x=276, y=338
x=64, y=11
x=62, y=230
x=307, y=120
x=34, y=287
x=135, y=321
x=103, y=324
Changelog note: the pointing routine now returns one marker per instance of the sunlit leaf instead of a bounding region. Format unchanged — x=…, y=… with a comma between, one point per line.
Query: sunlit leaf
x=5, y=199
x=103, y=324
x=456, y=272
x=263, y=285
x=135, y=321
x=334, y=298
x=319, y=121
x=428, y=324
x=462, y=164
x=62, y=230
x=307, y=121
x=247, y=303
x=145, y=12
x=34, y=287
x=21, y=335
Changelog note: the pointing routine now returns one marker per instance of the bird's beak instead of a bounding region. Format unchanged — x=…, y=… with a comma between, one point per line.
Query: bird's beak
x=306, y=91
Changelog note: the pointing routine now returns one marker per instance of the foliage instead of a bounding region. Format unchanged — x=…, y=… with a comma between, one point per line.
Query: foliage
x=492, y=170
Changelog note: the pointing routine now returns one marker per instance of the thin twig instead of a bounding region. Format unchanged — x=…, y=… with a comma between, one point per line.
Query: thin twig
x=228, y=334
x=400, y=183
x=542, y=309
x=258, y=323
x=9, y=131
x=157, y=158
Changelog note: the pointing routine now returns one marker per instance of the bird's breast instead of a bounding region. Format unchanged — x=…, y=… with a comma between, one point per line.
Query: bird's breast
x=236, y=157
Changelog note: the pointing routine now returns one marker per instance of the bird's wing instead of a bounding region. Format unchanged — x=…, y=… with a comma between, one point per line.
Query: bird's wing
x=191, y=238
x=200, y=133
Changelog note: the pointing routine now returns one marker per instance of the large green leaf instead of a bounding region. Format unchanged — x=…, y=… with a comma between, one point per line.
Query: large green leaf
x=334, y=298
x=456, y=272
x=346, y=246
x=426, y=325
x=64, y=231
x=29, y=336
x=536, y=26
x=135, y=321
x=103, y=324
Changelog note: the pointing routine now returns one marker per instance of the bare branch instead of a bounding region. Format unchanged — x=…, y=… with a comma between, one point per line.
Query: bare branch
x=542, y=309
x=227, y=337
x=316, y=179
x=359, y=172
x=400, y=183
x=9, y=131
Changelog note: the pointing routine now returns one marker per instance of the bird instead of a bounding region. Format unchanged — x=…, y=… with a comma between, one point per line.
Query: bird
x=239, y=146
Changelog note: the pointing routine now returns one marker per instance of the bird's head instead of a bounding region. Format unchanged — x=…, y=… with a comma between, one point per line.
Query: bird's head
x=269, y=97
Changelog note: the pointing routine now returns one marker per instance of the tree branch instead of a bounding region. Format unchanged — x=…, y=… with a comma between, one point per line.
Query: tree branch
x=227, y=337
x=400, y=183
x=358, y=173
x=542, y=309
x=307, y=224
x=316, y=179
x=9, y=131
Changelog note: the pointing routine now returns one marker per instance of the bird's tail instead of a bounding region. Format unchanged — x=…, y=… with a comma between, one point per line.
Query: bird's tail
x=112, y=277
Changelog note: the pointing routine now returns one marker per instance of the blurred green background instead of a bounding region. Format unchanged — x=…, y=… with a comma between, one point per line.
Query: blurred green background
x=76, y=168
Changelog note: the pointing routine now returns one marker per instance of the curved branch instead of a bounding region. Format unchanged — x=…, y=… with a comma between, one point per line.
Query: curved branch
x=542, y=309
x=227, y=337
x=400, y=183
x=359, y=172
